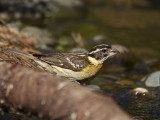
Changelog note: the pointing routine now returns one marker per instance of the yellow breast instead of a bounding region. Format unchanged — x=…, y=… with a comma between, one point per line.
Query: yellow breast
x=87, y=72
x=90, y=70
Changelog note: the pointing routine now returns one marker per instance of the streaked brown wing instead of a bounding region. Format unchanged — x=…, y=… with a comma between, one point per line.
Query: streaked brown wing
x=75, y=62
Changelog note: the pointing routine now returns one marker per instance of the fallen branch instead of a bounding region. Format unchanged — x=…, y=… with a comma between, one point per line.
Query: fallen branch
x=54, y=98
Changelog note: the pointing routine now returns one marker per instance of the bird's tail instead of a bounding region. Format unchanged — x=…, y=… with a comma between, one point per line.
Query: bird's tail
x=17, y=53
x=17, y=56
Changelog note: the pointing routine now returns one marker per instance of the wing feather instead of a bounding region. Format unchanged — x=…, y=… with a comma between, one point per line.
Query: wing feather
x=75, y=62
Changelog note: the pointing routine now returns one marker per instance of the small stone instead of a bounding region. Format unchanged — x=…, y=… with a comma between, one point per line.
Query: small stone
x=140, y=93
x=2, y=101
x=4, y=16
x=38, y=36
x=122, y=49
x=152, y=80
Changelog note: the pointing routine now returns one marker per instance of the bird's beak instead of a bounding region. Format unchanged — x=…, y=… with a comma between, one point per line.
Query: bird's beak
x=114, y=51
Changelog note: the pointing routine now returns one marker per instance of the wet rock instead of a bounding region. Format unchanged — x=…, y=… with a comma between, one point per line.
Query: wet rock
x=45, y=49
x=141, y=67
x=152, y=80
x=120, y=62
x=126, y=57
x=140, y=93
x=38, y=36
x=122, y=49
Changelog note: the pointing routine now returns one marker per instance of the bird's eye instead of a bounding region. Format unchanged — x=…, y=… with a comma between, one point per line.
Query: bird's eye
x=103, y=50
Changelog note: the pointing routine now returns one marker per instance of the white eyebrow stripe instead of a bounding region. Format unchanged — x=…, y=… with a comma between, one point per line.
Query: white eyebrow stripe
x=97, y=50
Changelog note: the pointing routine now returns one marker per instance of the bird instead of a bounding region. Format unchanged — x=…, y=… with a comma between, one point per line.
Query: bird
x=74, y=66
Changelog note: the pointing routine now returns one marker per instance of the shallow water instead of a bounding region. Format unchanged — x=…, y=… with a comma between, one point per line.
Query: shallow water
x=140, y=108
x=136, y=29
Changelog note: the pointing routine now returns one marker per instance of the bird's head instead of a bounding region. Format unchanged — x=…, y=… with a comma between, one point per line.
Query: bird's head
x=102, y=52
